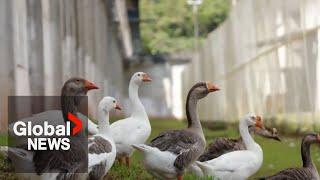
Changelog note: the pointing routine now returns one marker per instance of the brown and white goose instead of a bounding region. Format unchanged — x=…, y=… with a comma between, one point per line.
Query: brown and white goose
x=222, y=145
x=308, y=171
x=171, y=152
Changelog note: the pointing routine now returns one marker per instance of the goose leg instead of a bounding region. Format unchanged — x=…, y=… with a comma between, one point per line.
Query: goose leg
x=179, y=177
x=128, y=161
x=120, y=160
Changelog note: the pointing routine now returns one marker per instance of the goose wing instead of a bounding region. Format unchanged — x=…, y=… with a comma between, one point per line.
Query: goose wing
x=240, y=160
x=187, y=145
x=99, y=149
x=221, y=146
x=99, y=152
x=70, y=161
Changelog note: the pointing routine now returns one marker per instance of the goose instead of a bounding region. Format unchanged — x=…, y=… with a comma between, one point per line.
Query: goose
x=237, y=165
x=308, y=170
x=222, y=145
x=137, y=124
x=58, y=164
x=167, y=156
x=101, y=147
x=67, y=164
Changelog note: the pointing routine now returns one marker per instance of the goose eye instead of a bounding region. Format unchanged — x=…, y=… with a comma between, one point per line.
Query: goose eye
x=138, y=74
x=114, y=101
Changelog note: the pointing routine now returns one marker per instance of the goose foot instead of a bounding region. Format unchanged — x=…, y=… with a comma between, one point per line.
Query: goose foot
x=179, y=177
x=128, y=161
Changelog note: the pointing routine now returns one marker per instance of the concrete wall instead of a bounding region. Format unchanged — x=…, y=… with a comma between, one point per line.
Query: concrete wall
x=45, y=42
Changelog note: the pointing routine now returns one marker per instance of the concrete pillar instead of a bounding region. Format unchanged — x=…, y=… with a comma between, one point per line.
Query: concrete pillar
x=6, y=60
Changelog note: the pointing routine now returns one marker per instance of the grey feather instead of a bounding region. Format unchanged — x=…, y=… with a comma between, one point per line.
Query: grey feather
x=98, y=171
x=187, y=145
x=98, y=145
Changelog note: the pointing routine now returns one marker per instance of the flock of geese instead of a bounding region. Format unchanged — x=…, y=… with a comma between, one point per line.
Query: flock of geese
x=168, y=156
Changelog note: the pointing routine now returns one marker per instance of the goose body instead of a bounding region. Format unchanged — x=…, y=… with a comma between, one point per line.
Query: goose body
x=222, y=145
x=171, y=152
x=101, y=147
x=135, y=129
x=308, y=171
x=244, y=162
x=164, y=168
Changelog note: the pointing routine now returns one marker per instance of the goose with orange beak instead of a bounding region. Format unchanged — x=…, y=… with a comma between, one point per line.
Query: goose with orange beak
x=235, y=165
x=308, y=170
x=135, y=129
x=171, y=152
x=101, y=147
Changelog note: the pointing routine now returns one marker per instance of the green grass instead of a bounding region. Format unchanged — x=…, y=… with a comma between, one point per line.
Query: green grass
x=277, y=155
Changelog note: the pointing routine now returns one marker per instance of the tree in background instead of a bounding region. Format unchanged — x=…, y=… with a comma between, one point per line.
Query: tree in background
x=167, y=25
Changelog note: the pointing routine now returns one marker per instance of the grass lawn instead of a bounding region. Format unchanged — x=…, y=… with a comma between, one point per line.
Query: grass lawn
x=277, y=155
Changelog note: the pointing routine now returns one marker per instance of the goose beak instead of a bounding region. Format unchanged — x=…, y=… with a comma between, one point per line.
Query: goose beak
x=90, y=85
x=318, y=137
x=118, y=107
x=146, y=78
x=211, y=87
x=276, y=138
x=259, y=123
x=275, y=134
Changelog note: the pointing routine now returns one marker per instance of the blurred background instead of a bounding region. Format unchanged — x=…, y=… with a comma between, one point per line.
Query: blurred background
x=264, y=55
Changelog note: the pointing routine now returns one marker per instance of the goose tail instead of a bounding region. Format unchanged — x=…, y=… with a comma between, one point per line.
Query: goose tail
x=18, y=153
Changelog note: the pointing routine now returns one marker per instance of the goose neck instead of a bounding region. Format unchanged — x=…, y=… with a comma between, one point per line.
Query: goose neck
x=68, y=105
x=137, y=106
x=103, y=121
x=245, y=135
x=192, y=116
x=305, y=153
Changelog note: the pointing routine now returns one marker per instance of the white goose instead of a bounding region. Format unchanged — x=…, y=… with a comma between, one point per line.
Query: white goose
x=238, y=165
x=101, y=147
x=137, y=125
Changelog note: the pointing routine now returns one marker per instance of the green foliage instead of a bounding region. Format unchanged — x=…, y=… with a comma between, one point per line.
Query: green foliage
x=168, y=25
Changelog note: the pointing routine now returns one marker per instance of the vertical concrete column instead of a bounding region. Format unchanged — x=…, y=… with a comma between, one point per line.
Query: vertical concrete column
x=20, y=48
x=35, y=48
x=6, y=60
x=51, y=47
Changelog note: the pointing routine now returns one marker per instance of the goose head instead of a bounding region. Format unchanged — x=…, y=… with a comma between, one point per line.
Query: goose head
x=140, y=77
x=77, y=87
x=202, y=89
x=253, y=120
x=72, y=92
x=312, y=138
x=108, y=103
x=270, y=133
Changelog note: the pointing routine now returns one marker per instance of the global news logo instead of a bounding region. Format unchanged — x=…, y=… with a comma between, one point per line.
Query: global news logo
x=48, y=136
